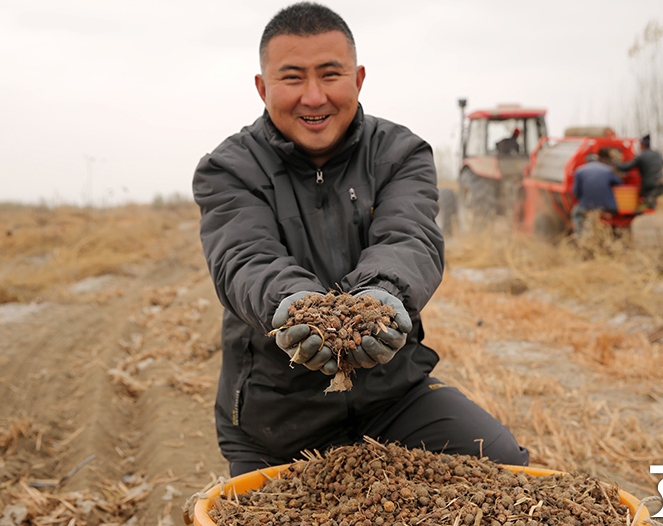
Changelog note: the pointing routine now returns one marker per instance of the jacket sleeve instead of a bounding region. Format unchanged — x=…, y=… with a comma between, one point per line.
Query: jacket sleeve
x=250, y=266
x=633, y=163
x=405, y=252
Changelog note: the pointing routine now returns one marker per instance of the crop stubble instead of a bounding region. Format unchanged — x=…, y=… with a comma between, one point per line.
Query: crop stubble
x=389, y=485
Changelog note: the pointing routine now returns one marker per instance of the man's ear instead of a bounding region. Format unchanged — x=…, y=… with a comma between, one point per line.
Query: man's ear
x=260, y=86
x=361, y=75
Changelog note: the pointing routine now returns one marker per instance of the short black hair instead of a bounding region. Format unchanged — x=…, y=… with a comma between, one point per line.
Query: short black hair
x=604, y=153
x=304, y=19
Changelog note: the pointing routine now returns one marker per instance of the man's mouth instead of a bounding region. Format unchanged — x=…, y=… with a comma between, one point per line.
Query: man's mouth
x=314, y=119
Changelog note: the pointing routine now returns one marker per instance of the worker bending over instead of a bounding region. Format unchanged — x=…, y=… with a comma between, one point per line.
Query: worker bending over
x=592, y=187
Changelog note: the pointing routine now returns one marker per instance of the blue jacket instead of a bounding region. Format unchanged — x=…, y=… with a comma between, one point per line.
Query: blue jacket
x=592, y=186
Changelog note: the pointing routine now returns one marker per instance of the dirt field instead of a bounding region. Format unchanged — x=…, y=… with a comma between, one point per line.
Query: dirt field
x=109, y=356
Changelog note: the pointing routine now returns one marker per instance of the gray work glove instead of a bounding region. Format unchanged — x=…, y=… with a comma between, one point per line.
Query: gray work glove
x=297, y=341
x=381, y=347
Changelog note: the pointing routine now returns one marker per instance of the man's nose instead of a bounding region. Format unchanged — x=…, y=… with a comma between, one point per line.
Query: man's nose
x=314, y=94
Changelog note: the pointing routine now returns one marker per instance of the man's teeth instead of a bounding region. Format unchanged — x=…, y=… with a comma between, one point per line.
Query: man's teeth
x=315, y=119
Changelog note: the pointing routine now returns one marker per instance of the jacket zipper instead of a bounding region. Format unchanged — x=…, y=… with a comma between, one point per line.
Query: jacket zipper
x=235, y=411
x=319, y=181
x=331, y=226
x=355, y=214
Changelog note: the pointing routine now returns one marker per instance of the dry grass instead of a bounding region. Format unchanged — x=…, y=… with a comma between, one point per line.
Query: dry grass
x=566, y=428
x=524, y=318
x=43, y=250
x=600, y=270
x=115, y=503
x=584, y=284
x=171, y=346
x=16, y=429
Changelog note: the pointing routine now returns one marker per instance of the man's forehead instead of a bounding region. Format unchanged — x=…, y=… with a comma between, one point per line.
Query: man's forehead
x=310, y=50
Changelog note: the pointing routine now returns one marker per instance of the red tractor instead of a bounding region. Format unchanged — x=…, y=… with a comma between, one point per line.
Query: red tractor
x=511, y=168
x=496, y=145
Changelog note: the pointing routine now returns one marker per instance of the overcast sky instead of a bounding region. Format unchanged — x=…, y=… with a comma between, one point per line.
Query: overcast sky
x=104, y=102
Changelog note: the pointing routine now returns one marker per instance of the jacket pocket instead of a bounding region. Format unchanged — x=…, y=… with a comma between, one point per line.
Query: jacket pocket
x=361, y=208
x=238, y=378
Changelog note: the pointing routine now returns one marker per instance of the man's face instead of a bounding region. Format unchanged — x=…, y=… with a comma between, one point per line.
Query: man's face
x=310, y=86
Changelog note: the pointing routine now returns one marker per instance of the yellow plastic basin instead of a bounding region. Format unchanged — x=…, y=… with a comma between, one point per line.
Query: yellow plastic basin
x=255, y=480
x=626, y=197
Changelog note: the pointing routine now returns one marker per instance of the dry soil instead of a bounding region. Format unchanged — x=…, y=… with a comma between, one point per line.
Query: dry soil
x=106, y=394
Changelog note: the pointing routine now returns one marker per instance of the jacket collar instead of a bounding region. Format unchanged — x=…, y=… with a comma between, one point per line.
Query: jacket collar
x=289, y=153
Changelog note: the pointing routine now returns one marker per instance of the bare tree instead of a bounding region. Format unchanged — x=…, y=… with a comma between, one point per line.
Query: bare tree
x=646, y=111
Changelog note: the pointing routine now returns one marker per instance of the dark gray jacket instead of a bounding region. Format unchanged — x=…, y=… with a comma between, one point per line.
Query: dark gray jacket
x=272, y=225
x=650, y=164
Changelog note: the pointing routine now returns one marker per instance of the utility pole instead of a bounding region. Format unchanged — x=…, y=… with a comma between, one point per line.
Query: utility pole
x=89, y=164
x=461, y=104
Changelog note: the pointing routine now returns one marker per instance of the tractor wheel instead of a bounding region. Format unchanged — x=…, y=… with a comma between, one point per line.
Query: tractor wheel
x=518, y=213
x=477, y=201
x=446, y=218
x=548, y=226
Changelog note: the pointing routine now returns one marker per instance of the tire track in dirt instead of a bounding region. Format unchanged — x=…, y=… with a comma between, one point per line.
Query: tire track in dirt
x=57, y=380
x=167, y=353
x=56, y=366
x=177, y=433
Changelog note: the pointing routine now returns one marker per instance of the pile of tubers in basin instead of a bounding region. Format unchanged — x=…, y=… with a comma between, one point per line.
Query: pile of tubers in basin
x=390, y=485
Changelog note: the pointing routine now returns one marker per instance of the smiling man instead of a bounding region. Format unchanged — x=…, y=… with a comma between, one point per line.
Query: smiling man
x=314, y=196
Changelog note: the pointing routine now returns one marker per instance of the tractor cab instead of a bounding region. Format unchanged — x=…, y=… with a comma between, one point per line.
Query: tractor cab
x=497, y=142
x=495, y=147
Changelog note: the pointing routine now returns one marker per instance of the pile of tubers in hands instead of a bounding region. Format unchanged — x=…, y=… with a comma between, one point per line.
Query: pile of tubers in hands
x=341, y=320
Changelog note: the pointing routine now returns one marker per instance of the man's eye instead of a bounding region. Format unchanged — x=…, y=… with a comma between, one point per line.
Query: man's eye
x=331, y=74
